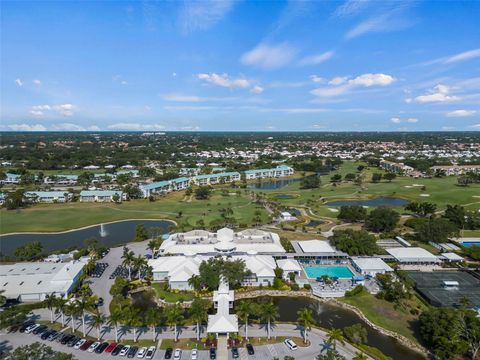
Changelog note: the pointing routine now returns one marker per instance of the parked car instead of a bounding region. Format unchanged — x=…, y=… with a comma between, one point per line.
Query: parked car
x=79, y=343
x=235, y=353
x=168, y=353
x=55, y=334
x=150, y=352
x=100, y=302
x=213, y=354
x=86, y=345
x=250, y=349
x=13, y=329
x=101, y=348
x=131, y=353
x=25, y=325
x=177, y=355
x=46, y=334
x=67, y=339
x=40, y=330
x=124, y=351
x=143, y=351
x=110, y=347
x=117, y=350
x=93, y=346
x=194, y=354
x=72, y=341
x=31, y=328
x=290, y=344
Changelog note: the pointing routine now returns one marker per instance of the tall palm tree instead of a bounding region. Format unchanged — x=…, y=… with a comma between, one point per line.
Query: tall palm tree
x=139, y=263
x=174, y=315
x=50, y=303
x=85, y=303
x=199, y=312
x=335, y=335
x=305, y=318
x=89, y=266
x=61, y=306
x=195, y=282
x=97, y=321
x=269, y=313
x=244, y=310
x=73, y=310
x=114, y=319
x=133, y=319
x=360, y=356
x=152, y=318
x=128, y=257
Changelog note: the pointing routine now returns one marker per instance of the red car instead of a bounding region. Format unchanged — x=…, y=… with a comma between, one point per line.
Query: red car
x=110, y=347
x=86, y=345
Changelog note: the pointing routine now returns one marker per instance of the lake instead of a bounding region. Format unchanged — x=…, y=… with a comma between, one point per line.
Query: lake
x=272, y=184
x=328, y=315
x=381, y=201
x=114, y=234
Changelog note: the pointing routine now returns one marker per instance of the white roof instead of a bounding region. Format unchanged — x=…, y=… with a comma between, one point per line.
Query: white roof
x=179, y=268
x=289, y=265
x=412, y=254
x=371, y=263
x=316, y=246
x=222, y=321
x=38, y=277
x=261, y=265
x=452, y=256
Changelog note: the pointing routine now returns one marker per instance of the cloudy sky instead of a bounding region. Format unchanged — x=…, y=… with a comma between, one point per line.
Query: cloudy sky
x=240, y=65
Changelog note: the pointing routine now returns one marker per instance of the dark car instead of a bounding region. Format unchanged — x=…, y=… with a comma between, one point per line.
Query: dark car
x=168, y=353
x=25, y=326
x=100, y=348
x=13, y=329
x=235, y=353
x=86, y=345
x=131, y=353
x=72, y=341
x=213, y=354
x=40, y=330
x=117, y=350
x=250, y=349
x=66, y=338
x=46, y=334
x=53, y=335
x=100, y=302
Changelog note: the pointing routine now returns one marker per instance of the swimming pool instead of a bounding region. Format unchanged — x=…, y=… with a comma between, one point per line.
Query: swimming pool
x=342, y=272
x=471, y=243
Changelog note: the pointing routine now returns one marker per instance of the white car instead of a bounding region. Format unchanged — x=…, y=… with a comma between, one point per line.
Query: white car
x=79, y=343
x=93, y=346
x=290, y=344
x=141, y=352
x=29, y=329
x=194, y=354
x=124, y=350
x=150, y=352
x=177, y=355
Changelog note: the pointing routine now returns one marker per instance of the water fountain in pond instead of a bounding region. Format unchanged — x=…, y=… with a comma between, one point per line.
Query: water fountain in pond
x=102, y=231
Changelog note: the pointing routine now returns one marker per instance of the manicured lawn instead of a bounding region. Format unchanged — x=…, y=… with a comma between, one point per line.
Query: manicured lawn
x=170, y=296
x=184, y=344
x=256, y=341
x=139, y=342
x=384, y=314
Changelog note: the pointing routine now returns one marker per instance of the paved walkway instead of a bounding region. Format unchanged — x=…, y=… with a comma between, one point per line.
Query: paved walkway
x=222, y=348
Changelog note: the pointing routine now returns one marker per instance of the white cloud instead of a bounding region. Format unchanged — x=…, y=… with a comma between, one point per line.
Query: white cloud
x=397, y=120
x=257, y=89
x=27, y=127
x=475, y=126
x=461, y=113
x=201, y=15
x=339, y=80
x=295, y=110
x=36, y=112
x=448, y=128
x=467, y=55
x=372, y=79
x=190, y=107
x=123, y=82
x=190, y=128
x=331, y=91
x=317, y=79
x=19, y=82
x=268, y=56
x=341, y=85
x=181, y=98
x=37, y=82
x=351, y=7
x=439, y=93
x=317, y=59
x=412, y=120
x=135, y=126
x=62, y=109
x=174, y=74
x=68, y=127
x=65, y=109
x=93, y=128
x=224, y=80
x=318, y=126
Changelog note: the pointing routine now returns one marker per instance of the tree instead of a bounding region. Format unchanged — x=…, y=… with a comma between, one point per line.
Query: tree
x=195, y=282
x=356, y=334
x=350, y=177
x=352, y=213
x=336, y=178
x=389, y=176
x=469, y=330
x=330, y=355
x=116, y=198
x=38, y=351
x=139, y=264
x=310, y=182
x=12, y=316
x=91, y=243
x=392, y=290
x=50, y=303
x=360, y=356
x=15, y=200
x=305, y=318
x=199, y=312
x=335, y=335
x=456, y=215
x=133, y=319
x=268, y=312
x=141, y=233
x=382, y=219
x=376, y=177
x=84, y=304
x=114, y=319
x=354, y=242
x=174, y=316
x=97, y=320
x=128, y=258
x=152, y=318
x=202, y=193
x=438, y=230
x=29, y=251
x=73, y=310
x=244, y=310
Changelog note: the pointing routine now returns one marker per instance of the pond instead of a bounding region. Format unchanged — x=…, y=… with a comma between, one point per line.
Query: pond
x=272, y=184
x=333, y=316
x=108, y=235
x=285, y=196
x=381, y=201
x=315, y=223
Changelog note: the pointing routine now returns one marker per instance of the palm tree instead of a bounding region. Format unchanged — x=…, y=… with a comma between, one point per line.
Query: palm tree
x=139, y=262
x=305, y=317
x=73, y=310
x=89, y=266
x=114, y=319
x=269, y=313
x=3, y=299
x=195, y=282
x=152, y=318
x=335, y=335
x=199, y=312
x=174, y=315
x=128, y=258
x=50, y=303
x=132, y=318
x=97, y=321
x=61, y=306
x=360, y=356
x=85, y=303
x=244, y=310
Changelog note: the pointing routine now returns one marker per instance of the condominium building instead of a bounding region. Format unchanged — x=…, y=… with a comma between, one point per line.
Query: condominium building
x=279, y=171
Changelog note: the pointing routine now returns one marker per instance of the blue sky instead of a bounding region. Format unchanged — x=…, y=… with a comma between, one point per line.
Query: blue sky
x=240, y=65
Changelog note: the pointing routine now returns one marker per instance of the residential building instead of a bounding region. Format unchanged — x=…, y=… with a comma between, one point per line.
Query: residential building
x=165, y=186
x=101, y=195
x=214, y=179
x=399, y=168
x=47, y=196
x=456, y=170
x=279, y=171
x=10, y=179
x=60, y=179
